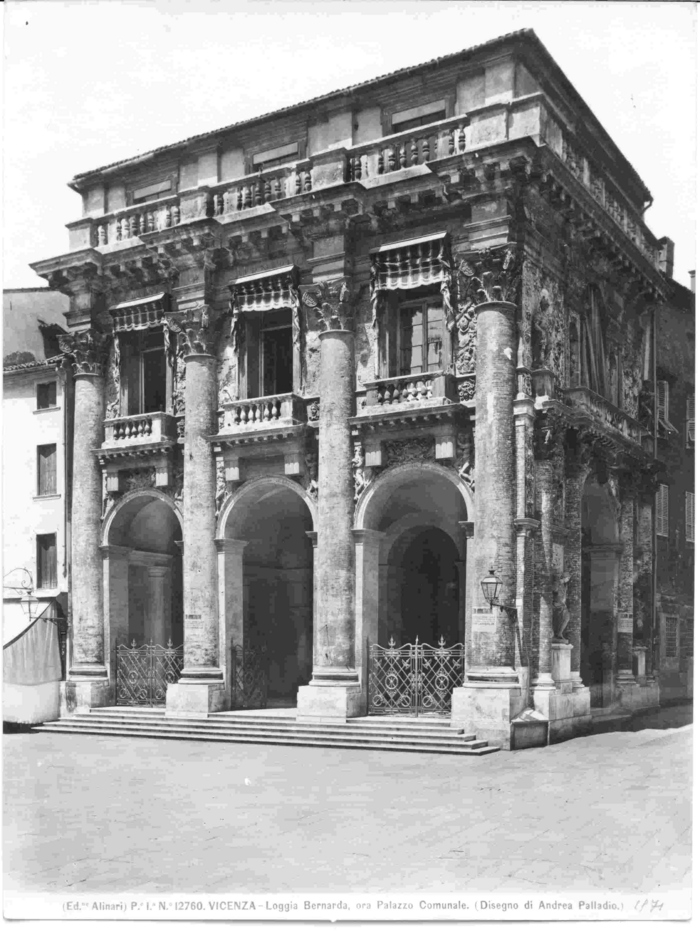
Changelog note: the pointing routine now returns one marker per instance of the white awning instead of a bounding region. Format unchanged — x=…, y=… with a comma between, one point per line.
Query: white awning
x=141, y=314
x=409, y=243
x=268, y=290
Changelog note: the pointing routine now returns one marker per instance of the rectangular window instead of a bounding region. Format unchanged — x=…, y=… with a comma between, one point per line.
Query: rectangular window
x=279, y=156
x=144, y=377
x=690, y=516
x=662, y=394
x=153, y=365
x=46, y=396
x=418, y=116
x=152, y=192
x=420, y=336
x=690, y=422
x=662, y=511
x=276, y=353
x=46, y=469
x=46, y=561
x=670, y=636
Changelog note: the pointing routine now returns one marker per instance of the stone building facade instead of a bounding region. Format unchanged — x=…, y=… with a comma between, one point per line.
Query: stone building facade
x=675, y=501
x=334, y=365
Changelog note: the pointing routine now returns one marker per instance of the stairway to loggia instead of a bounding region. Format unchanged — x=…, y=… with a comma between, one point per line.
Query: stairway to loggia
x=416, y=735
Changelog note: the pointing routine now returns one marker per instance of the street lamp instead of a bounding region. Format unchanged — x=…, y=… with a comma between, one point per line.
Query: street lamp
x=25, y=588
x=491, y=586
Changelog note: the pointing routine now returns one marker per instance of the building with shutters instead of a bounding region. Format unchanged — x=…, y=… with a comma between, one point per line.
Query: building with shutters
x=675, y=498
x=37, y=402
x=365, y=409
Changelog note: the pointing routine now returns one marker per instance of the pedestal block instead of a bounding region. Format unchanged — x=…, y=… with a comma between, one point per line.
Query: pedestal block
x=486, y=709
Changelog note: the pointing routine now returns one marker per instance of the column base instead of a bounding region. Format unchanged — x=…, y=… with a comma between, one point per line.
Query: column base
x=567, y=710
x=486, y=709
x=197, y=694
x=330, y=701
x=81, y=693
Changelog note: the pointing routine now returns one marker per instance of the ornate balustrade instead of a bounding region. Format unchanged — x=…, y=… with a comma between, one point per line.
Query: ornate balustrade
x=587, y=402
x=407, y=149
x=136, y=221
x=262, y=412
x=528, y=116
x=140, y=428
x=262, y=188
x=425, y=387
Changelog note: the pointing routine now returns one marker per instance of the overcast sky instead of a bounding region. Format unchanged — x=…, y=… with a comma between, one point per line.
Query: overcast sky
x=89, y=83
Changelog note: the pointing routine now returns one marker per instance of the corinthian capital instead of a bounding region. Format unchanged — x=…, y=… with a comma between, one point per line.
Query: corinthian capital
x=196, y=330
x=86, y=351
x=491, y=275
x=331, y=301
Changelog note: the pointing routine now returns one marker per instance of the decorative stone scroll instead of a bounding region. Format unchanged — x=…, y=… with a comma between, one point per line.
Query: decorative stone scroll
x=196, y=330
x=491, y=275
x=86, y=351
x=331, y=301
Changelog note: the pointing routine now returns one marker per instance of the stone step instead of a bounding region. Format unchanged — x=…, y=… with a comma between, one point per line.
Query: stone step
x=315, y=730
x=277, y=724
x=378, y=721
x=197, y=732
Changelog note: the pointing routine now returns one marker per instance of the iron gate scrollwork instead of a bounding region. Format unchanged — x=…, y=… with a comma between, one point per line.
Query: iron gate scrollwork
x=250, y=676
x=415, y=678
x=144, y=673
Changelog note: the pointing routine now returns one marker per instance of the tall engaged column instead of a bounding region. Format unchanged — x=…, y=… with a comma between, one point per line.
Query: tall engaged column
x=491, y=694
x=200, y=689
x=334, y=691
x=88, y=682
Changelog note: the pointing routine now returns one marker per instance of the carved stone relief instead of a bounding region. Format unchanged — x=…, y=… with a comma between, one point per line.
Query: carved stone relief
x=465, y=459
x=331, y=302
x=399, y=452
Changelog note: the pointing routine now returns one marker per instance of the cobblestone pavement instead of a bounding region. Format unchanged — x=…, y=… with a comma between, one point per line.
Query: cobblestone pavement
x=97, y=814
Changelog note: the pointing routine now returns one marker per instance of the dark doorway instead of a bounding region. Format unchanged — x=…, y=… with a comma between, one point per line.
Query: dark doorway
x=429, y=588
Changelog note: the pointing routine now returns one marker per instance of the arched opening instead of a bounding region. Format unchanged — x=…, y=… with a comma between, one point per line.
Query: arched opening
x=600, y=569
x=144, y=572
x=274, y=521
x=424, y=564
x=418, y=509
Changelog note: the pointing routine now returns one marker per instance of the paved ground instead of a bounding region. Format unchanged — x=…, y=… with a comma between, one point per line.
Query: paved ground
x=99, y=814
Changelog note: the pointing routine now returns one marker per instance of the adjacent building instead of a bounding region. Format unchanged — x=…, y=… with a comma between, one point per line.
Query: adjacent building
x=365, y=412
x=675, y=499
x=37, y=404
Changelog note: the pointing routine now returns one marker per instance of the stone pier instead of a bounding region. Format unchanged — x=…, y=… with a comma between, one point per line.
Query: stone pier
x=334, y=691
x=88, y=684
x=491, y=695
x=200, y=689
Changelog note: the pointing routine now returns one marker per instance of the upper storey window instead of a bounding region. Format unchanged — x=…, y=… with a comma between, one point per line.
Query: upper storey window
x=410, y=284
x=598, y=362
x=266, y=333
x=418, y=116
x=271, y=158
x=150, y=192
x=140, y=361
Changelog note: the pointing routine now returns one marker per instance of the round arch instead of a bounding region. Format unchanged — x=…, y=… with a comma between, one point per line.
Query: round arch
x=373, y=500
x=127, y=504
x=237, y=506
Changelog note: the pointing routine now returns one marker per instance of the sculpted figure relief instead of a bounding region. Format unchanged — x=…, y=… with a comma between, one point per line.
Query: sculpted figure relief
x=561, y=615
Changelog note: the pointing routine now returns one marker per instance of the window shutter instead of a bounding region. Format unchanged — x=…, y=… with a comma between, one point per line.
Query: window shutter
x=662, y=511
x=662, y=399
x=690, y=420
x=46, y=469
x=690, y=516
x=46, y=561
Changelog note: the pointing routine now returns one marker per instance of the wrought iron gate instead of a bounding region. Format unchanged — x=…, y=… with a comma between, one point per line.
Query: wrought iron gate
x=144, y=673
x=249, y=676
x=414, y=679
